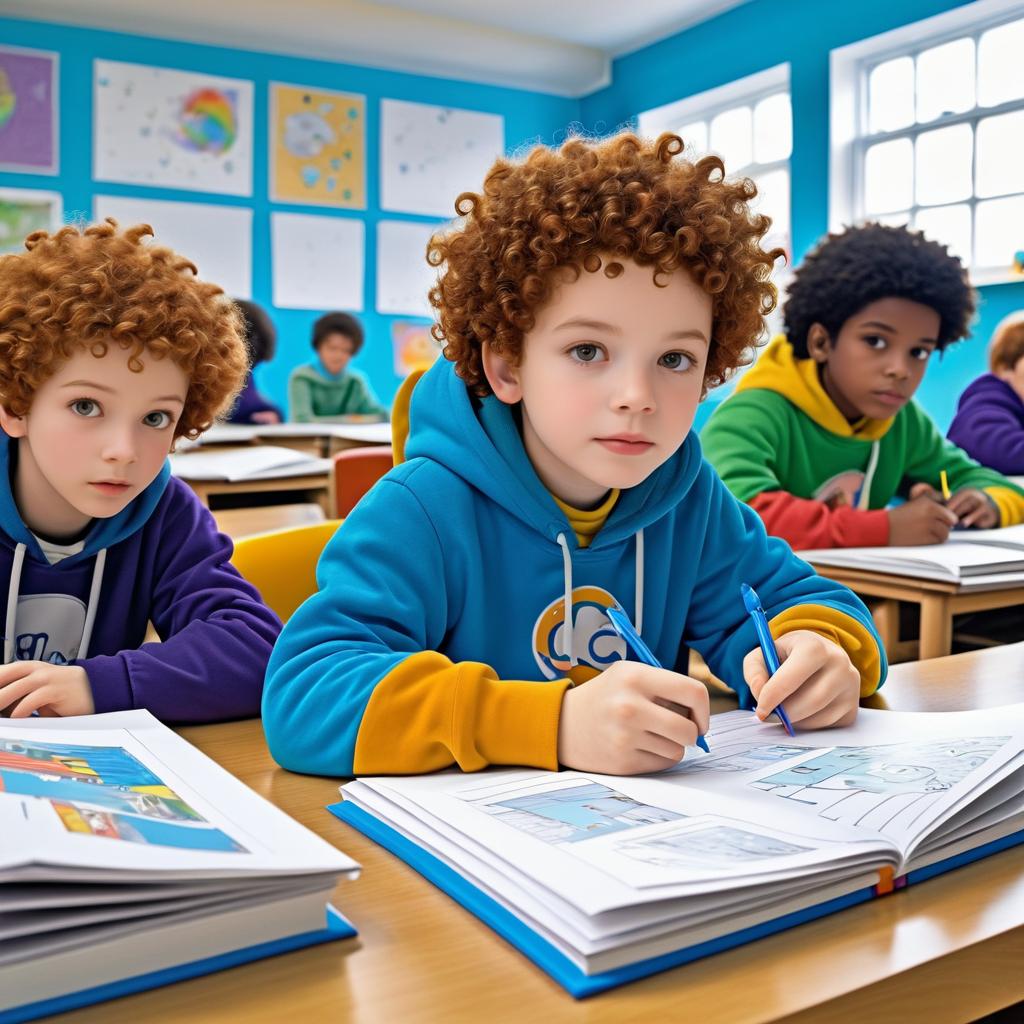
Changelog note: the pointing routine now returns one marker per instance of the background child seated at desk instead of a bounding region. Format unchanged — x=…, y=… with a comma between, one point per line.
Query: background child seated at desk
x=261, y=343
x=109, y=350
x=327, y=391
x=587, y=300
x=989, y=421
x=822, y=433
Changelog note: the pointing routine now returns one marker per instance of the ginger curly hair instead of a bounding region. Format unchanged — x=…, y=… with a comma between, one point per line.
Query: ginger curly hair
x=587, y=205
x=97, y=287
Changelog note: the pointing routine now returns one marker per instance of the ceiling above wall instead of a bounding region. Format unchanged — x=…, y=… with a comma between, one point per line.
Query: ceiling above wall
x=557, y=46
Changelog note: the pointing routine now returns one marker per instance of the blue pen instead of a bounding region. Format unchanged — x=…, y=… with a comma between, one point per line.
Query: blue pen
x=764, y=637
x=626, y=629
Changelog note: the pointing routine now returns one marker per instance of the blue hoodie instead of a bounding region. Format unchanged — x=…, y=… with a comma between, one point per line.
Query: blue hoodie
x=439, y=633
x=162, y=560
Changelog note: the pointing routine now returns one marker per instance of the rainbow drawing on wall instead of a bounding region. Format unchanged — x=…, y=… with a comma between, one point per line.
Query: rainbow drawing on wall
x=175, y=129
x=317, y=147
x=414, y=347
x=208, y=122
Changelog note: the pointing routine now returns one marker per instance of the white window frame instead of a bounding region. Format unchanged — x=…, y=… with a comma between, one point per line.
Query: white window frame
x=849, y=138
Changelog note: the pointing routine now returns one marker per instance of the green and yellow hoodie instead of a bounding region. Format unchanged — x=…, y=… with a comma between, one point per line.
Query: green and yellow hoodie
x=818, y=481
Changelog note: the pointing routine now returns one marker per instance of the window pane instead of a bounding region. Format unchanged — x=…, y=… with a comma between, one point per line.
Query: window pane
x=950, y=225
x=773, y=129
x=731, y=138
x=943, y=165
x=894, y=220
x=997, y=231
x=773, y=201
x=999, y=64
x=889, y=176
x=695, y=135
x=891, y=95
x=945, y=79
x=1000, y=167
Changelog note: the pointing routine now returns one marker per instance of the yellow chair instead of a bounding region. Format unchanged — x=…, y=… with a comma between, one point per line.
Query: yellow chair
x=281, y=564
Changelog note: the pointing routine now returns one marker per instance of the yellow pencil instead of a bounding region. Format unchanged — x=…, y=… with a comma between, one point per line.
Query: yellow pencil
x=945, y=485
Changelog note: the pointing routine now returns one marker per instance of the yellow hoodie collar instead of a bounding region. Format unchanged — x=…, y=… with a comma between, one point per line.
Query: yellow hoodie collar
x=778, y=370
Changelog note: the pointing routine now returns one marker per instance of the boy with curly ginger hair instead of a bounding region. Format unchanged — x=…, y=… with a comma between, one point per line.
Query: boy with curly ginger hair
x=110, y=349
x=588, y=299
x=822, y=434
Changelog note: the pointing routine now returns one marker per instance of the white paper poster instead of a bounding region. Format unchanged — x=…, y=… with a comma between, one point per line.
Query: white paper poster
x=428, y=155
x=178, y=129
x=404, y=277
x=217, y=239
x=318, y=261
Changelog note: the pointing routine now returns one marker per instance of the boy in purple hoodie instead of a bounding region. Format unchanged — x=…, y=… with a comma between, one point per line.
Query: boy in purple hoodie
x=989, y=421
x=110, y=349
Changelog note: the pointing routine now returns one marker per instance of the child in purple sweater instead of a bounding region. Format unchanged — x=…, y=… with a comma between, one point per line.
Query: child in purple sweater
x=110, y=349
x=989, y=421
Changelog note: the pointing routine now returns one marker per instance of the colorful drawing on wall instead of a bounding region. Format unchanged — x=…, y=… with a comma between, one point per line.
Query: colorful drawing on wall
x=23, y=211
x=317, y=147
x=174, y=129
x=28, y=110
x=317, y=261
x=428, y=155
x=106, y=792
x=414, y=347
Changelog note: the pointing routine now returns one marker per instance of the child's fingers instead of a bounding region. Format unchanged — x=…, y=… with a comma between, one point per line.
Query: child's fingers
x=652, y=743
x=803, y=661
x=671, y=687
x=755, y=672
x=836, y=712
x=923, y=490
x=15, y=691
x=678, y=728
x=33, y=702
x=964, y=501
x=15, y=670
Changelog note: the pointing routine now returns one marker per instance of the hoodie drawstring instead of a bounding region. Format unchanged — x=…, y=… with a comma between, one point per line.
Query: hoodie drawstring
x=567, y=602
x=12, y=603
x=865, y=488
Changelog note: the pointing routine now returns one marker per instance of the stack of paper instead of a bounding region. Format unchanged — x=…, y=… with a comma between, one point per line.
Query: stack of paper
x=264, y=462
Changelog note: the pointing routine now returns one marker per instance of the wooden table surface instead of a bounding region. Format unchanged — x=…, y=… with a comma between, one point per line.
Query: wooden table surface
x=950, y=949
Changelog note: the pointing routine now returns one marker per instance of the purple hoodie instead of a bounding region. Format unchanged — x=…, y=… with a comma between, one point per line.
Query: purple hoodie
x=161, y=559
x=250, y=401
x=989, y=425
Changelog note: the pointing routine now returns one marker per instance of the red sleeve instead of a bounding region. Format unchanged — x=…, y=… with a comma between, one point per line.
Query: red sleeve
x=805, y=523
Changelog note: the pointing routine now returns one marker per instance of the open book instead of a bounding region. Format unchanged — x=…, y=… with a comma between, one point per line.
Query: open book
x=602, y=879
x=129, y=859
x=263, y=462
x=972, y=558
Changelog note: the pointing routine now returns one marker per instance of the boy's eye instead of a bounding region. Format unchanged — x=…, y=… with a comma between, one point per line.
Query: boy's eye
x=676, y=361
x=921, y=353
x=157, y=419
x=874, y=341
x=85, y=407
x=586, y=353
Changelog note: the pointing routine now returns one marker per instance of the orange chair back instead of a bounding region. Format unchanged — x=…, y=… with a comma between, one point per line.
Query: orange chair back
x=354, y=472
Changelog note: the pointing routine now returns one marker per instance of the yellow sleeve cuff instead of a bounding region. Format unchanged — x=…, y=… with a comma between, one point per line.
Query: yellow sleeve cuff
x=842, y=629
x=1009, y=503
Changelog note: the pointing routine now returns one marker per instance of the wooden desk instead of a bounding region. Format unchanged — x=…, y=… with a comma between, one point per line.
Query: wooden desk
x=243, y=522
x=950, y=949
x=939, y=603
x=312, y=488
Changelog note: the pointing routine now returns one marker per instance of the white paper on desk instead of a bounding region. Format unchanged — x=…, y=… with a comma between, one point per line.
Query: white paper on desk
x=955, y=561
x=122, y=796
x=262, y=462
x=317, y=261
x=217, y=239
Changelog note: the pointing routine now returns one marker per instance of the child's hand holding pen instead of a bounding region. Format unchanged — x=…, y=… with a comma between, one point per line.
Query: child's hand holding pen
x=971, y=506
x=631, y=719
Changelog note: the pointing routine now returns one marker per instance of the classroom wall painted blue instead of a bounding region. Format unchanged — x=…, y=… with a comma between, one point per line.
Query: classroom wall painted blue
x=761, y=34
x=529, y=116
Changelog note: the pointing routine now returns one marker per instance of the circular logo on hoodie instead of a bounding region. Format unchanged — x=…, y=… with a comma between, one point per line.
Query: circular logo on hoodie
x=594, y=640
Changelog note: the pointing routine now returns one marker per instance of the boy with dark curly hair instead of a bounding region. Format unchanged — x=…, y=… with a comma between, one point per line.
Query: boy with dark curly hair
x=588, y=298
x=110, y=349
x=822, y=433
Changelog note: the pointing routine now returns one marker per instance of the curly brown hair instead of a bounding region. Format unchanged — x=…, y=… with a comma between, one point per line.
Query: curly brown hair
x=587, y=205
x=99, y=286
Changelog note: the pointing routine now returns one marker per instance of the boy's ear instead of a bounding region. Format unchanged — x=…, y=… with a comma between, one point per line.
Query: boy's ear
x=819, y=344
x=14, y=426
x=501, y=375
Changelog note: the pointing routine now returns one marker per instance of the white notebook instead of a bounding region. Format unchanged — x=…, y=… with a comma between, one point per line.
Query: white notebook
x=263, y=462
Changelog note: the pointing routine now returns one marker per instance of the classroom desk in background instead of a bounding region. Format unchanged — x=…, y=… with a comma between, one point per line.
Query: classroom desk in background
x=949, y=949
x=319, y=439
x=938, y=601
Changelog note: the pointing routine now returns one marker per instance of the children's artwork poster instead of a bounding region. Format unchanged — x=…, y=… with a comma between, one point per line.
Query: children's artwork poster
x=23, y=211
x=428, y=155
x=404, y=278
x=28, y=110
x=108, y=793
x=174, y=129
x=317, y=147
x=217, y=239
x=414, y=347
x=318, y=262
